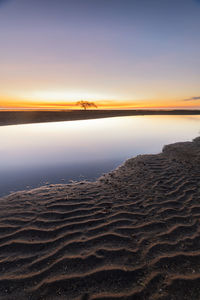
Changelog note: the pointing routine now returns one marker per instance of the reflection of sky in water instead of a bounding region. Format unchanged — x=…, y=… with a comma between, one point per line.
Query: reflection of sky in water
x=35, y=153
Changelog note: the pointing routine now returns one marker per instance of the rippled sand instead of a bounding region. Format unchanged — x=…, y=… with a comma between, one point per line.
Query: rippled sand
x=133, y=234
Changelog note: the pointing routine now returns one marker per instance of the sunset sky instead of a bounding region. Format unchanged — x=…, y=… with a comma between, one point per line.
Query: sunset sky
x=117, y=53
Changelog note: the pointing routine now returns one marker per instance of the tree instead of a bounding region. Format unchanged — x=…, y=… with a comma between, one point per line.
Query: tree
x=86, y=104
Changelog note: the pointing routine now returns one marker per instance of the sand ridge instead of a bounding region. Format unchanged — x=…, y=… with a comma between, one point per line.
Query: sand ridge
x=11, y=117
x=132, y=234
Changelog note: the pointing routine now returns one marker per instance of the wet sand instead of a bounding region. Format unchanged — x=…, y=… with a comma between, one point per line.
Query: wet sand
x=132, y=234
x=24, y=117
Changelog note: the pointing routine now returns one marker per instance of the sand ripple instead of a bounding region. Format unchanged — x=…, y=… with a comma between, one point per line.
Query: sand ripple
x=133, y=234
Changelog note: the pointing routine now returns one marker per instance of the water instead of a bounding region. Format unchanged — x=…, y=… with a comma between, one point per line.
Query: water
x=36, y=154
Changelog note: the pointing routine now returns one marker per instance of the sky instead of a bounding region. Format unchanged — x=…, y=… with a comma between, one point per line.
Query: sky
x=117, y=53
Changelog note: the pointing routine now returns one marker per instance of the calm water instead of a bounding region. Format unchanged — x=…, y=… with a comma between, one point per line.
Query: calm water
x=37, y=154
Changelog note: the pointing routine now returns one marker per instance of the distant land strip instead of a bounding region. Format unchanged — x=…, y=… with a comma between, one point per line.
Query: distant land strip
x=25, y=117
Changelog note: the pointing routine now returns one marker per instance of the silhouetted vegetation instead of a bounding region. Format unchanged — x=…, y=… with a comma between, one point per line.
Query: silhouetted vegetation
x=86, y=104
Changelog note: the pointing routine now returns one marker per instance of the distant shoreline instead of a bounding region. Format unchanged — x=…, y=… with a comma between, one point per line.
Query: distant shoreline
x=27, y=117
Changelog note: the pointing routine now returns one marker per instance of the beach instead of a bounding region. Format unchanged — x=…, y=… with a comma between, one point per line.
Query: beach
x=132, y=234
x=38, y=116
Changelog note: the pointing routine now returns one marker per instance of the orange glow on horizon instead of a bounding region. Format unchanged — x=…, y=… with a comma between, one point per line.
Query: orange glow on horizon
x=101, y=104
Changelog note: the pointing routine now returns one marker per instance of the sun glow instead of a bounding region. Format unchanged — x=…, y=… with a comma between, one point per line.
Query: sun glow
x=62, y=95
x=67, y=99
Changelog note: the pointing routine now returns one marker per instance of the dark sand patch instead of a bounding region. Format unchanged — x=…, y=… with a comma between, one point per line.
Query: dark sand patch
x=25, y=117
x=133, y=234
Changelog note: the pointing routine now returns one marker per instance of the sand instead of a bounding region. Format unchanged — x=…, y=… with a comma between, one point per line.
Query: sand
x=25, y=117
x=132, y=234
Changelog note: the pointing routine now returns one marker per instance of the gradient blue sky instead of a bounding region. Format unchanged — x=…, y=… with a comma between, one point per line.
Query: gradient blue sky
x=139, y=53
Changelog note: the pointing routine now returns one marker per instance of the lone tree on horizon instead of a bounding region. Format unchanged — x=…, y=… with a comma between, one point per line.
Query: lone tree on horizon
x=86, y=104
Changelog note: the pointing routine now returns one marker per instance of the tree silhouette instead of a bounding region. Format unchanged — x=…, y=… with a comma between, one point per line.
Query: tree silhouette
x=86, y=104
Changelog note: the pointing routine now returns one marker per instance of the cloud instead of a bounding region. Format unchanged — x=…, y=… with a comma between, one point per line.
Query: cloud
x=192, y=99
